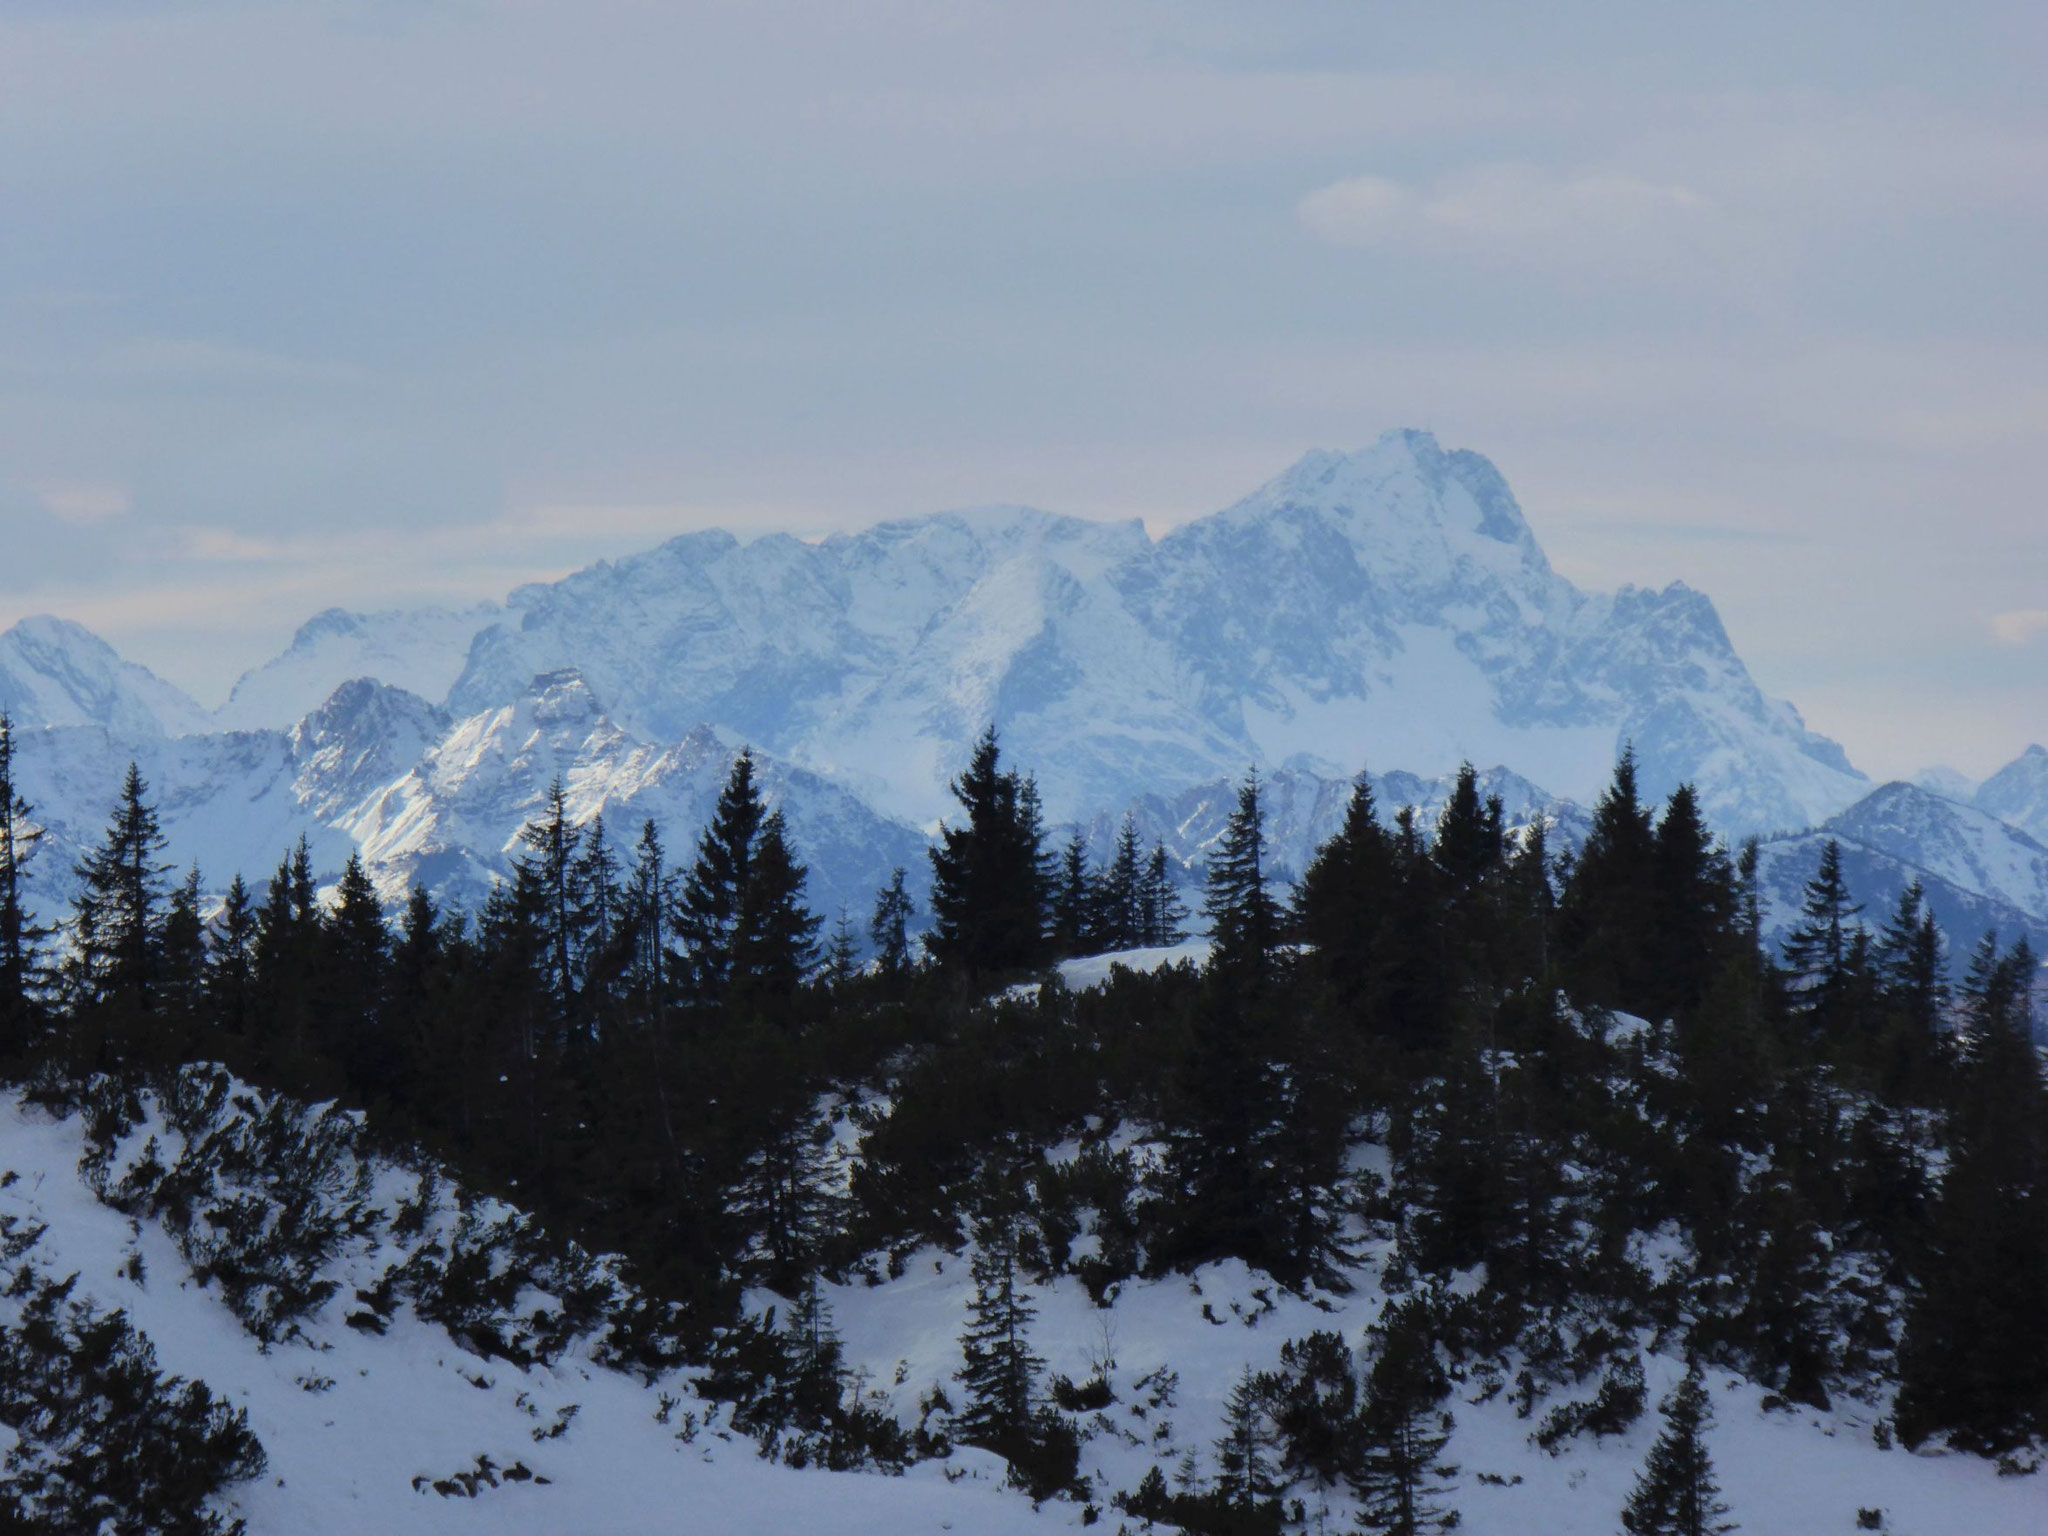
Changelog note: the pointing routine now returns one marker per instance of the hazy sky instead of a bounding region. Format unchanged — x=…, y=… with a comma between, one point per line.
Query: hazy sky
x=376, y=302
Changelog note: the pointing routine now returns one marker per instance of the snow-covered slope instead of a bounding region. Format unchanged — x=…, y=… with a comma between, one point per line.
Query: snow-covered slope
x=420, y=650
x=386, y=1429
x=55, y=672
x=377, y=1411
x=1390, y=605
x=1968, y=848
x=2018, y=792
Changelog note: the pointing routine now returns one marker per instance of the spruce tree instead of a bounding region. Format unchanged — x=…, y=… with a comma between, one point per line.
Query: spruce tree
x=1676, y=1494
x=597, y=897
x=1247, y=1452
x=1608, y=902
x=774, y=943
x=351, y=1006
x=783, y=1200
x=1119, y=894
x=1341, y=906
x=1399, y=1476
x=231, y=969
x=1820, y=950
x=182, y=988
x=22, y=961
x=817, y=1357
x=1161, y=913
x=1316, y=1408
x=1974, y=1360
x=287, y=955
x=707, y=909
x=1001, y=1373
x=889, y=928
x=842, y=953
x=1693, y=909
x=553, y=847
x=990, y=888
x=1244, y=920
x=117, y=934
x=1074, y=921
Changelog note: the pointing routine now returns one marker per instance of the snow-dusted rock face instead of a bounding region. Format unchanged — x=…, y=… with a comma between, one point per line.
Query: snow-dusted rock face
x=1389, y=606
x=379, y=771
x=453, y=820
x=421, y=651
x=2018, y=792
x=55, y=672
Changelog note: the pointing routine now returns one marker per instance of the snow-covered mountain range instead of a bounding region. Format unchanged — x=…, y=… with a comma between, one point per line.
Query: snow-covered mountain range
x=1389, y=607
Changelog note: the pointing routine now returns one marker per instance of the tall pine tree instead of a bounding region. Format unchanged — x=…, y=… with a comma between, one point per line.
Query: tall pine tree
x=991, y=895
x=21, y=938
x=1676, y=1494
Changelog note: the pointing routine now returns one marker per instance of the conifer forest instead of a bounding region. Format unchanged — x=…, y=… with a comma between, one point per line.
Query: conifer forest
x=1575, y=1108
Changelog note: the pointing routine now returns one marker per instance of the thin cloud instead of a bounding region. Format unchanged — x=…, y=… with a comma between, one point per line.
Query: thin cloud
x=84, y=503
x=2020, y=626
x=1521, y=215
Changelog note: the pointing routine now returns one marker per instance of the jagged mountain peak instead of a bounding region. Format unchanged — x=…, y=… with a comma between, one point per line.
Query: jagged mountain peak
x=2018, y=792
x=1411, y=506
x=1390, y=603
x=54, y=671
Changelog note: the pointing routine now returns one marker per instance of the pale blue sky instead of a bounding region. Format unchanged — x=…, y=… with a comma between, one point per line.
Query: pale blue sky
x=382, y=301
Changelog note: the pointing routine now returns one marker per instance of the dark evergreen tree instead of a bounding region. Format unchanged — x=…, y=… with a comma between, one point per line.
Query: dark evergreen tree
x=707, y=909
x=842, y=953
x=1819, y=951
x=1248, y=1450
x=231, y=970
x=287, y=956
x=1974, y=1361
x=1790, y=1337
x=182, y=989
x=22, y=939
x=647, y=983
x=1676, y=1494
x=774, y=943
x=1415, y=978
x=1693, y=909
x=1608, y=901
x=1399, y=1476
x=1912, y=967
x=1162, y=913
x=990, y=891
x=598, y=897
x=352, y=1003
x=783, y=1201
x=553, y=847
x=1341, y=908
x=113, y=975
x=1469, y=854
x=428, y=1039
x=889, y=929
x=1120, y=893
x=1244, y=920
x=1001, y=1373
x=816, y=1356
x=1316, y=1408
x=1075, y=922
